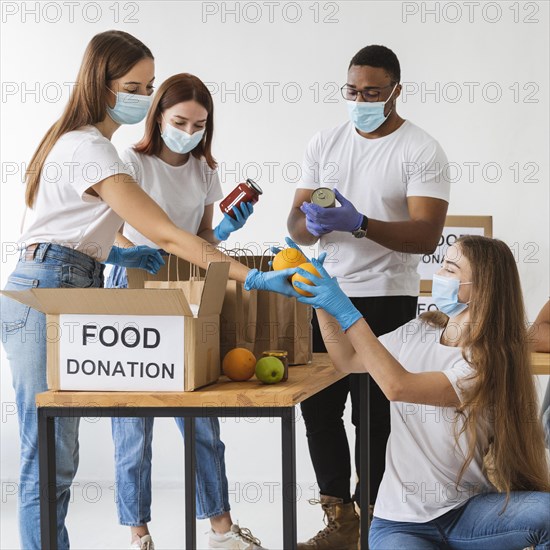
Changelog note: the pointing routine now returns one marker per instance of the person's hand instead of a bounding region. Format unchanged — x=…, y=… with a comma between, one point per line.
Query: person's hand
x=327, y=295
x=292, y=244
x=229, y=224
x=316, y=229
x=142, y=257
x=338, y=218
x=274, y=281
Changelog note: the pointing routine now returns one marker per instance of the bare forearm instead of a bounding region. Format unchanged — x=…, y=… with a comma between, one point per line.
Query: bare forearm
x=360, y=351
x=122, y=241
x=352, y=351
x=397, y=383
x=208, y=236
x=342, y=353
x=388, y=373
x=296, y=226
x=199, y=252
x=409, y=237
x=134, y=206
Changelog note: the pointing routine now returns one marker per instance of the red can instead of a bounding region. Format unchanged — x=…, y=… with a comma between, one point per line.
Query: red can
x=249, y=191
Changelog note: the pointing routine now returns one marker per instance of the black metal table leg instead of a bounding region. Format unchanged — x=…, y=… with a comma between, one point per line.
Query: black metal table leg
x=47, y=480
x=46, y=438
x=364, y=454
x=288, y=433
x=190, y=506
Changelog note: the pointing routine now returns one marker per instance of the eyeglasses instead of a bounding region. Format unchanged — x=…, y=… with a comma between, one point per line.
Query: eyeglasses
x=371, y=93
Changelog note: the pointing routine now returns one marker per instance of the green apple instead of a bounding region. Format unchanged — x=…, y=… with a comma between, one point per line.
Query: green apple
x=270, y=370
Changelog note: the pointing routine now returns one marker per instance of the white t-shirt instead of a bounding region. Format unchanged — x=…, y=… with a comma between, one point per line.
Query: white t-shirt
x=181, y=191
x=63, y=213
x=422, y=459
x=377, y=176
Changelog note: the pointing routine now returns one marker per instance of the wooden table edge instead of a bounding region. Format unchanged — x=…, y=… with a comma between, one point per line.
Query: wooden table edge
x=278, y=395
x=222, y=394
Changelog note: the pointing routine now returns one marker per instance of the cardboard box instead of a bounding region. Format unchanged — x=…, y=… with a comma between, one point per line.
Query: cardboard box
x=270, y=322
x=131, y=340
x=455, y=227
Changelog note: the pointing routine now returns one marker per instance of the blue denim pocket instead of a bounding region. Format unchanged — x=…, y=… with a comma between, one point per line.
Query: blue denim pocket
x=14, y=314
x=73, y=276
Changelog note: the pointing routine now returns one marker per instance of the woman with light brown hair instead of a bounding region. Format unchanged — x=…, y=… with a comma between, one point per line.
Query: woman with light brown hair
x=173, y=163
x=461, y=389
x=78, y=195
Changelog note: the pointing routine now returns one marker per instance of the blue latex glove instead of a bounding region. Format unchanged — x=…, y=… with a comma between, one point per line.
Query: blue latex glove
x=339, y=218
x=274, y=281
x=142, y=257
x=328, y=295
x=228, y=224
x=292, y=244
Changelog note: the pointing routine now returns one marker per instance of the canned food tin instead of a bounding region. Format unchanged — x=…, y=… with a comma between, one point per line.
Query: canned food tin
x=248, y=191
x=282, y=355
x=323, y=196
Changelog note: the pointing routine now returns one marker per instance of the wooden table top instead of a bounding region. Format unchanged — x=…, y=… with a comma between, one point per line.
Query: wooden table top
x=303, y=382
x=540, y=363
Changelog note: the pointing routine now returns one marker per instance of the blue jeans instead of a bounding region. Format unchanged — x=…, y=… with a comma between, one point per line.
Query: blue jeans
x=117, y=278
x=24, y=339
x=133, y=438
x=477, y=525
x=133, y=454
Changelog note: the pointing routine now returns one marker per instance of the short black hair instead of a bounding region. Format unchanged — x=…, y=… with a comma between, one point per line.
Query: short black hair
x=378, y=56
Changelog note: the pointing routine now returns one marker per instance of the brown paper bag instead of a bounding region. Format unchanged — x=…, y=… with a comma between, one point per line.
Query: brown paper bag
x=282, y=323
x=285, y=324
x=174, y=269
x=190, y=279
x=238, y=316
x=295, y=333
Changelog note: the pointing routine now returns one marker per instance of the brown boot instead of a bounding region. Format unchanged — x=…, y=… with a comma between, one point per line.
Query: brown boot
x=342, y=526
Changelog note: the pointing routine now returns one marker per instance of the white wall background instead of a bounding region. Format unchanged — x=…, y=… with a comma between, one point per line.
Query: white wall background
x=474, y=77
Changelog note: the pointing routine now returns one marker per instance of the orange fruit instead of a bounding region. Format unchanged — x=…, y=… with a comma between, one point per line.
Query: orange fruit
x=287, y=258
x=239, y=364
x=297, y=277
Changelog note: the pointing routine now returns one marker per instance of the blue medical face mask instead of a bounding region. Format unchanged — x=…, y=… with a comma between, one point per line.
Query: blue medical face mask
x=179, y=141
x=129, y=108
x=445, y=295
x=367, y=116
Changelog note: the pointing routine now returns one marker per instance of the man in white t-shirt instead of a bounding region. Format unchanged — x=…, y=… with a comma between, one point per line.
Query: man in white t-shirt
x=388, y=177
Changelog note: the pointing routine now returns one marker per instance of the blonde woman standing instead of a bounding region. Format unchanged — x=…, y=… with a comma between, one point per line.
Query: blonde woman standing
x=71, y=226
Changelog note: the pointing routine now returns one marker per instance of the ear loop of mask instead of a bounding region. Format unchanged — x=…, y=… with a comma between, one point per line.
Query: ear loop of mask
x=469, y=283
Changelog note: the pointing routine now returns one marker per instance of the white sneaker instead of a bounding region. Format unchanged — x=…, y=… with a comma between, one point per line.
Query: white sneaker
x=238, y=538
x=144, y=543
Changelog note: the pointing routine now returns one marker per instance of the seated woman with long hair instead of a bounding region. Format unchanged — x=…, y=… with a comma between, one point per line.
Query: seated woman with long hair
x=465, y=462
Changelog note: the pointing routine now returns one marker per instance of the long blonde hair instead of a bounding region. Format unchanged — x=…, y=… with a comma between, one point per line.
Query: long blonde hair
x=502, y=398
x=109, y=56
